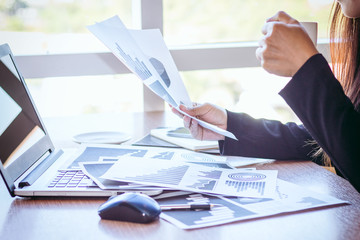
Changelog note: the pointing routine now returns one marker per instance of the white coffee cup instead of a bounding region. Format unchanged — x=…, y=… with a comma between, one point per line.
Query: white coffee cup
x=312, y=30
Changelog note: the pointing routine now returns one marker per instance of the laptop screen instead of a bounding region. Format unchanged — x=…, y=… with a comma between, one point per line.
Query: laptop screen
x=23, y=138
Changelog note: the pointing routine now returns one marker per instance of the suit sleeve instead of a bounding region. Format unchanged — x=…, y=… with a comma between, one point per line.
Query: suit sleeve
x=318, y=99
x=266, y=139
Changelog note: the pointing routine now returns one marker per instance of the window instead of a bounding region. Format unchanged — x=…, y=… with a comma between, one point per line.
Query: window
x=250, y=90
x=57, y=29
x=56, y=26
x=64, y=96
x=209, y=21
x=52, y=27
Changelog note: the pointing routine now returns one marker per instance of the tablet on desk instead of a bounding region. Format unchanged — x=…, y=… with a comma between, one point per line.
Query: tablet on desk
x=182, y=138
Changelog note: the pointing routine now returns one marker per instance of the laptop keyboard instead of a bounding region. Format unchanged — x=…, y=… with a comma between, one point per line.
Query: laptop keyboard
x=70, y=179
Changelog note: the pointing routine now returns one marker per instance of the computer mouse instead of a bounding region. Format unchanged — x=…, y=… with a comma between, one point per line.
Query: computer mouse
x=130, y=207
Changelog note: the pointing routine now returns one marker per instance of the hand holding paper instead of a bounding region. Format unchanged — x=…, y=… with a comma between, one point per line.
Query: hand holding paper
x=209, y=126
x=145, y=53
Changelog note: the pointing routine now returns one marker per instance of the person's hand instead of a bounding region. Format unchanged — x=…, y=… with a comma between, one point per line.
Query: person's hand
x=285, y=46
x=207, y=112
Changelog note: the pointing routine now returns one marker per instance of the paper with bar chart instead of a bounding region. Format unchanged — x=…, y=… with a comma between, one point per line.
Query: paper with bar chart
x=192, y=177
x=145, y=53
x=288, y=198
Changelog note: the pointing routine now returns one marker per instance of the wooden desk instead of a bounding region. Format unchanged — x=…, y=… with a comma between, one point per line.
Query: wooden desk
x=54, y=218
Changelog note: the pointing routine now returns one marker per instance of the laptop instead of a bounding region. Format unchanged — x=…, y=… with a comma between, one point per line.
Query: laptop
x=29, y=163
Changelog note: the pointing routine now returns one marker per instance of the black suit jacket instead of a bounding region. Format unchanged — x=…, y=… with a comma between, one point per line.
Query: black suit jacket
x=327, y=114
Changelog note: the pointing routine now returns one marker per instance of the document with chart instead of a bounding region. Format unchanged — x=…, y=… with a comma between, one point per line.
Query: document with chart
x=145, y=53
x=95, y=160
x=289, y=198
x=192, y=177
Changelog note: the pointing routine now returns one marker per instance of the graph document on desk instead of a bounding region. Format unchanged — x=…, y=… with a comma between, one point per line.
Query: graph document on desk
x=289, y=198
x=145, y=53
x=95, y=160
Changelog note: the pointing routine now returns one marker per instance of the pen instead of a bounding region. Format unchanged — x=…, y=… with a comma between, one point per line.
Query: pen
x=188, y=207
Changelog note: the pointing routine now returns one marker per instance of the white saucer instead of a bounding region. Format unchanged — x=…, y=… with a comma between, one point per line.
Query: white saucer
x=102, y=137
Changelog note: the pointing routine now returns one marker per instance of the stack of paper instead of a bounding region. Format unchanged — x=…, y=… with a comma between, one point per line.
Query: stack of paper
x=238, y=193
x=96, y=160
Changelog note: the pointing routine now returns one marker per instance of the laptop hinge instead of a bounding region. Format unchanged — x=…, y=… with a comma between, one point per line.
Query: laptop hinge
x=40, y=169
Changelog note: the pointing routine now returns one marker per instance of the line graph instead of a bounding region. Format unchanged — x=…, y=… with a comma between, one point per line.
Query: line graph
x=204, y=184
x=164, y=155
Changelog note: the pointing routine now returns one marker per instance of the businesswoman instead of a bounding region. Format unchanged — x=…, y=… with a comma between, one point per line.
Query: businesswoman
x=328, y=106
